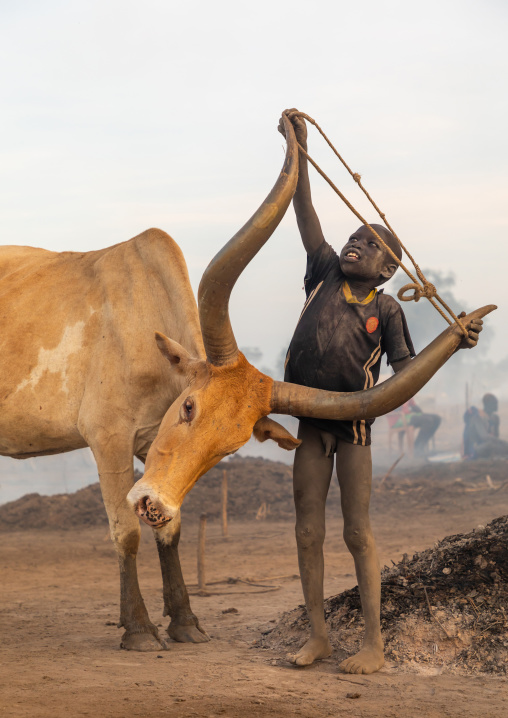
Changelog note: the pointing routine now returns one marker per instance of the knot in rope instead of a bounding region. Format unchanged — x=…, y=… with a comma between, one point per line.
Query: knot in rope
x=428, y=291
x=357, y=177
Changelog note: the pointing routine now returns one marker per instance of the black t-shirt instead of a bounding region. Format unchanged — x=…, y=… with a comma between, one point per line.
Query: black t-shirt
x=338, y=342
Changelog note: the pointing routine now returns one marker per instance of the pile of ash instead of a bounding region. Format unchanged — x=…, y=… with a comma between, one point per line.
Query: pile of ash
x=256, y=484
x=63, y=511
x=446, y=608
x=252, y=483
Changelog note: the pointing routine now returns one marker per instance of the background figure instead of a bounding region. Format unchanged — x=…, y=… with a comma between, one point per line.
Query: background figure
x=490, y=407
x=481, y=431
x=410, y=414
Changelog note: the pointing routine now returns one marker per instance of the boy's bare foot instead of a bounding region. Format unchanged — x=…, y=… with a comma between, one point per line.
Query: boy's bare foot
x=368, y=660
x=313, y=650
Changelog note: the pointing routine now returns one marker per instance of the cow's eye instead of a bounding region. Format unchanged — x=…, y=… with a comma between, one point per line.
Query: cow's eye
x=187, y=410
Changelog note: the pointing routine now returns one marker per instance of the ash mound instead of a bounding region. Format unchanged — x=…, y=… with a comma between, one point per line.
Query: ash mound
x=252, y=482
x=256, y=483
x=446, y=608
x=81, y=509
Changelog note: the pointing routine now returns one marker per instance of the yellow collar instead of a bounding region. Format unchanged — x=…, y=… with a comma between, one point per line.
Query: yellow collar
x=351, y=299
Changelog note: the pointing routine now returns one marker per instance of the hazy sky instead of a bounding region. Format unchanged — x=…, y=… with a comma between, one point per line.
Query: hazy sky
x=119, y=116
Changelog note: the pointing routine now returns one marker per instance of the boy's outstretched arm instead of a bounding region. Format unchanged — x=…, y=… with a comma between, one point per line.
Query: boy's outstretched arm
x=474, y=327
x=306, y=217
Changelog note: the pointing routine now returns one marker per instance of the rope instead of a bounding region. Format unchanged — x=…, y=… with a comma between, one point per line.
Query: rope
x=422, y=288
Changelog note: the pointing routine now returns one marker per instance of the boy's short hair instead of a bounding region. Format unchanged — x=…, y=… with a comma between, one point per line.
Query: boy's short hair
x=390, y=240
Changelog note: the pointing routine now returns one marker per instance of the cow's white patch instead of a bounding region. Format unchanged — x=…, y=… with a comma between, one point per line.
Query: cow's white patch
x=56, y=360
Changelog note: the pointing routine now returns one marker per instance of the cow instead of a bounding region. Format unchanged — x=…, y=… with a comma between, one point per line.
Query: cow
x=79, y=367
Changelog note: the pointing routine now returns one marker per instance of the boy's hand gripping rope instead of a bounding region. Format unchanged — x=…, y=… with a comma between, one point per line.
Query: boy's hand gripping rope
x=422, y=288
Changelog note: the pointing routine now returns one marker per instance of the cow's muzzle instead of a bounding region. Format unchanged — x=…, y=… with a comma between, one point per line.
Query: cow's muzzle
x=152, y=513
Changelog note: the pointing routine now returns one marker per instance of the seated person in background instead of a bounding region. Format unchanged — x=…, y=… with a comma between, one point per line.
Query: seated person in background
x=410, y=414
x=481, y=431
x=490, y=407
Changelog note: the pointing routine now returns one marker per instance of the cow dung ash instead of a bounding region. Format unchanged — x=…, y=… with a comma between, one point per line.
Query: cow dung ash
x=251, y=482
x=444, y=609
x=255, y=483
x=63, y=511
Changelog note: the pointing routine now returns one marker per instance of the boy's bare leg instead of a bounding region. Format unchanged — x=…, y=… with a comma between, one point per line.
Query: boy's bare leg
x=354, y=471
x=312, y=472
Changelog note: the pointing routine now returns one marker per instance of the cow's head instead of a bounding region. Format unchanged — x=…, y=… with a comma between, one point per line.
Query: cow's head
x=227, y=399
x=219, y=410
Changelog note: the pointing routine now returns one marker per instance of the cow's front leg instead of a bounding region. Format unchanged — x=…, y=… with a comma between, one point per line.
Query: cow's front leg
x=117, y=477
x=184, y=626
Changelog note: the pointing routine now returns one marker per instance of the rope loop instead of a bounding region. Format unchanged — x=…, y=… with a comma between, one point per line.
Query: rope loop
x=415, y=297
x=428, y=291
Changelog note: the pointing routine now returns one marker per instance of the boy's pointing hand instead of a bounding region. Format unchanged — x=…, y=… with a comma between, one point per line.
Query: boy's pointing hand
x=474, y=327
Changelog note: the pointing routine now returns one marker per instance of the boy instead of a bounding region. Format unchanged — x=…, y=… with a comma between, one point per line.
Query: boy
x=345, y=327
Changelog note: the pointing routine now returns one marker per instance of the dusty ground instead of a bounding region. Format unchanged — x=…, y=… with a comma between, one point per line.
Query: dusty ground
x=59, y=652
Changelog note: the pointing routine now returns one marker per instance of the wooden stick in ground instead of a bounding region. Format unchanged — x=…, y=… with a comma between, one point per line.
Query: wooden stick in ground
x=201, y=552
x=390, y=471
x=433, y=615
x=225, y=503
x=262, y=511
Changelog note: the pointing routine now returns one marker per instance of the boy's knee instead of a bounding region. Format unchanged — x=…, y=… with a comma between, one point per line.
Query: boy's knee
x=358, y=540
x=309, y=534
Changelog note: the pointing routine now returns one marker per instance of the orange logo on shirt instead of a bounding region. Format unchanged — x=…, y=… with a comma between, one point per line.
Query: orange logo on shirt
x=372, y=324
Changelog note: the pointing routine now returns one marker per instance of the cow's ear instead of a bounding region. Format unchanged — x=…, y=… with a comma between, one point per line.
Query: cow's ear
x=267, y=428
x=174, y=352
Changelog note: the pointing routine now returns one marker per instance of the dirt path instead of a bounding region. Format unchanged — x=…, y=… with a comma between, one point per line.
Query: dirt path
x=60, y=657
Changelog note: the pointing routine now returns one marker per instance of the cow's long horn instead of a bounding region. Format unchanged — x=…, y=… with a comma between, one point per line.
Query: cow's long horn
x=221, y=274
x=387, y=396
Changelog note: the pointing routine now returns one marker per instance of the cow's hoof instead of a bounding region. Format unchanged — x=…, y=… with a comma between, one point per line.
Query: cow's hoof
x=142, y=642
x=187, y=634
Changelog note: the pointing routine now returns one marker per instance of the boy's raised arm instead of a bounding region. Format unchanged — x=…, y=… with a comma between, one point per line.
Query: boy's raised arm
x=306, y=217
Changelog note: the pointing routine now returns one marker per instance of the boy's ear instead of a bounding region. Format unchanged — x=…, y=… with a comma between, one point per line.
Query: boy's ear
x=388, y=271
